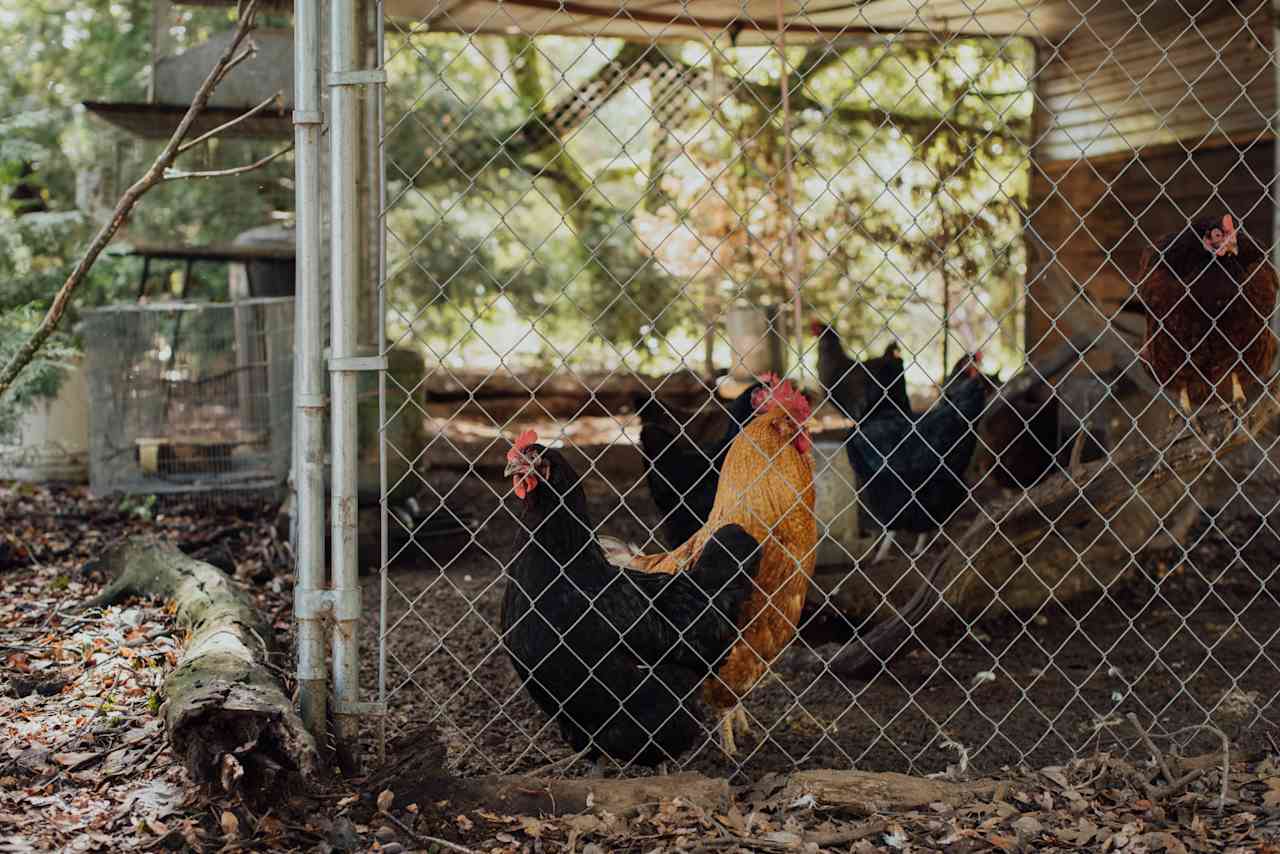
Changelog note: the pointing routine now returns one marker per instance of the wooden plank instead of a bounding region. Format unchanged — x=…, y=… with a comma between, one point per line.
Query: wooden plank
x=1068, y=70
x=1162, y=93
x=1190, y=114
x=1192, y=133
x=1044, y=167
x=1086, y=49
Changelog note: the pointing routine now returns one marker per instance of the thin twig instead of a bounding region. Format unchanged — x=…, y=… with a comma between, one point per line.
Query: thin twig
x=1226, y=756
x=1156, y=754
x=248, y=53
x=153, y=176
x=178, y=175
x=425, y=841
x=187, y=146
x=829, y=840
x=1157, y=793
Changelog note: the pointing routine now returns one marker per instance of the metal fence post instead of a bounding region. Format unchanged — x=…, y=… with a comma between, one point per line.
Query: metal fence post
x=309, y=401
x=345, y=232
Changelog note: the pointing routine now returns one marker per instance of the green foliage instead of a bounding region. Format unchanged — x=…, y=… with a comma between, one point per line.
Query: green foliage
x=614, y=242
x=61, y=53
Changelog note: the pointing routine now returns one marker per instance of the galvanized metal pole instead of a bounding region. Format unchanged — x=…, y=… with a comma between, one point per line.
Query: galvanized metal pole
x=380, y=174
x=308, y=368
x=345, y=81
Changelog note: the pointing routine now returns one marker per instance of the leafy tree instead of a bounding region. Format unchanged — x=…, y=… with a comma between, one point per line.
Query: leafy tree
x=54, y=156
x=616, y=230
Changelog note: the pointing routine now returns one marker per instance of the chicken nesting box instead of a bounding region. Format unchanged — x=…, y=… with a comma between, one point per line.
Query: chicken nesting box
x=190, y=397
x=267, y=72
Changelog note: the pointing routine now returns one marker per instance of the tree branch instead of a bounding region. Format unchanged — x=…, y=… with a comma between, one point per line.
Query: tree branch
x=178, y=174
x=187, y=146
x=153, y=176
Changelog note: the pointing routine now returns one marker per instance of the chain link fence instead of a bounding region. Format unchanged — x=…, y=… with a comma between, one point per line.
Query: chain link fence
x=954, y=228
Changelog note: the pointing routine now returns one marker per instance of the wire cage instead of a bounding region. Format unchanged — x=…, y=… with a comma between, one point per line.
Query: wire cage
x=602, y=221
x=190, y=397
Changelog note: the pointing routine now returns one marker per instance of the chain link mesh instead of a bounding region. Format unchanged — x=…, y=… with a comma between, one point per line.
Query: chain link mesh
x=591, y=233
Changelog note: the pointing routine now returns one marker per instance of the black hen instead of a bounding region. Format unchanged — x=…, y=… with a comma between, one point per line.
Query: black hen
x=683, y=476
x=615, y=657
x=860, y=388
x=1020, y=436
x=912, y=472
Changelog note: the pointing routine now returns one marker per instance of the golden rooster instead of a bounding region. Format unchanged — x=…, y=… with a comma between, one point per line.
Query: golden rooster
x=766, y=486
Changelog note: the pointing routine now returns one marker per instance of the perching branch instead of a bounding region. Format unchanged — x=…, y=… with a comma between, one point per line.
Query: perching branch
x=154, y=175
x=207, y=135
x=178, y=174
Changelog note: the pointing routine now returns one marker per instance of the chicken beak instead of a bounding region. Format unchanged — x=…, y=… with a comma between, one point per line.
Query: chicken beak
x=518, y=464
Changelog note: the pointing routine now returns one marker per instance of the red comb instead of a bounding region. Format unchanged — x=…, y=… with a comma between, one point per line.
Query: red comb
x=527, y=438
x=977, y=356
x=784, y=394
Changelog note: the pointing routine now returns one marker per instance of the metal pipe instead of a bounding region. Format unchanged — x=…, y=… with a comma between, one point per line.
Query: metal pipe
x=308, y=368
x=380, y=171
x=345, y=286
x=790, y=255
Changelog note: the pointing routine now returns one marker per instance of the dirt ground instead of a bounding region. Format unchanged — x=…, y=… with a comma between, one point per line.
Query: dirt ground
x=85, y=766
x=1191, y=640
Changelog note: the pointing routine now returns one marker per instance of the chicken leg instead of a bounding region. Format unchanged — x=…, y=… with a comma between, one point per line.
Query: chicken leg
x=1238, y=401
x=1189, y=411
x=734, y=719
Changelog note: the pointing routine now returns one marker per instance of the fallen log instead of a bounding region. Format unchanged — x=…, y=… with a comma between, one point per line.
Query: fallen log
x=1067, y=536
x=227, y=716
x=864, y=793
x=545, y=796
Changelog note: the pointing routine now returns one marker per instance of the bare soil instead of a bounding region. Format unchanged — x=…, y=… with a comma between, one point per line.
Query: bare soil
x=1191, y=640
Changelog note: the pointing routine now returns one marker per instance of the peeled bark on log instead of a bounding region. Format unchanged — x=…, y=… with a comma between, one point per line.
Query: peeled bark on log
x=1063, y=538
x=863, y=793
x=227, y=716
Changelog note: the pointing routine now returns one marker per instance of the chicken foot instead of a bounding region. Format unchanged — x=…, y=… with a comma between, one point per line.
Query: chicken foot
x=922, y=543
x=734, y=719
x=1189, y=412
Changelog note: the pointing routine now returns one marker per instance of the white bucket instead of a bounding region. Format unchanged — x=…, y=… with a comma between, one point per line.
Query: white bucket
x=835, y=504
x=757, y=346
x=52, y=438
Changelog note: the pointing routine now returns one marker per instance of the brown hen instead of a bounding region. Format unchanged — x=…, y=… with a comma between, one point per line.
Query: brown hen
x=1209, y=292
x=766, y=486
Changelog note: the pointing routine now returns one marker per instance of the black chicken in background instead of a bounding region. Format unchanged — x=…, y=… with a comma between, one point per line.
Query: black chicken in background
x=858, y=388
x=912, y=472
x=616, y=658
x=684, y=474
